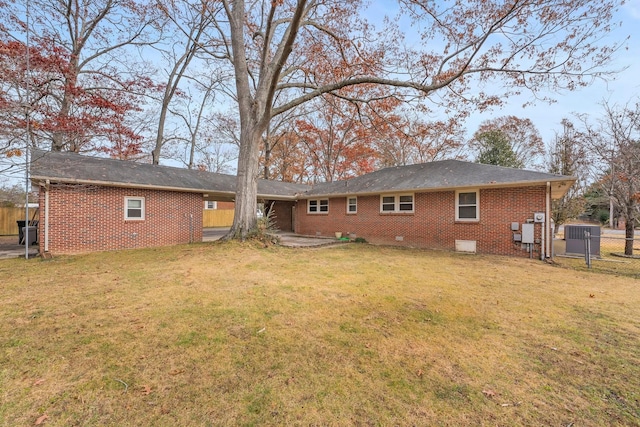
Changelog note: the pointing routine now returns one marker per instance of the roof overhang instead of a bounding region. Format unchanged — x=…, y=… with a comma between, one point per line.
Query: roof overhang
x=559, y=187
x=222, y=196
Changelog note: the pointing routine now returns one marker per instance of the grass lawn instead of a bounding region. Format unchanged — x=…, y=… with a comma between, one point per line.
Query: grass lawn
x=609, y=261
x=233, y=334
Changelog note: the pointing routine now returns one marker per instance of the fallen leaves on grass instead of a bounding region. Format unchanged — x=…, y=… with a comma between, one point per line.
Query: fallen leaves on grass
x=41, y=419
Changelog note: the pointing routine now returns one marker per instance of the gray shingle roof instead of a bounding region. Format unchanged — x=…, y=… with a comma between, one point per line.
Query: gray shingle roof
x=442, y=175
x=71, y=167
x=445, y=174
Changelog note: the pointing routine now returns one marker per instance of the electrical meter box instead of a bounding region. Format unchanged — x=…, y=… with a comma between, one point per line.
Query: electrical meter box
x=527, y=233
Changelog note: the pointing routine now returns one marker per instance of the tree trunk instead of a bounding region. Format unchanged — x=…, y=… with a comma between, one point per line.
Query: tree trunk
x=245, y=218
x=155, y=154
x=60, y=137
x=611, y=214
x=192, y=152
x=267, y=157
x=629, y=234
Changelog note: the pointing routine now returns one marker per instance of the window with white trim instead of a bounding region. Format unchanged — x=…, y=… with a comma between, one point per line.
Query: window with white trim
x=210, y=204
x=318, y=206
x=467, y=205
x=397, y=203
x=134, y=208
x=352, y=205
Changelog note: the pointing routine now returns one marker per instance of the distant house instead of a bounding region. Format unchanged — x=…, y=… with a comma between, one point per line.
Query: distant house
x=89, y=204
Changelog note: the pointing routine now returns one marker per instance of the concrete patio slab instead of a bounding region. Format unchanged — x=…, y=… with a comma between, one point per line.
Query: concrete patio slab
x=287, y=239
x=9, y=247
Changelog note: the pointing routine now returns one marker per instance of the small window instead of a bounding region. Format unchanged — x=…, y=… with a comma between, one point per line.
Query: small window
x=318, y=206
x=467, y=205
x=134, y=208
x=406, y=203
x=388, y=203
x=401, y=203
x=352, y=205
x=210, y=204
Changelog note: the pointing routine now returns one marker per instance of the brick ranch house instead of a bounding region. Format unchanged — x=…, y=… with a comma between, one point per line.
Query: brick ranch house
x=92, y=204
x=96, y=204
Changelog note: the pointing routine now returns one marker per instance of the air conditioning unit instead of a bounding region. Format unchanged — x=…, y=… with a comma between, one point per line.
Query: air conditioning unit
x=538, y=217
x=574, y=236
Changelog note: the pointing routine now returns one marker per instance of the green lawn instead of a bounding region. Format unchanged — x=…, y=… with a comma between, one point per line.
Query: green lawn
x=233, y=334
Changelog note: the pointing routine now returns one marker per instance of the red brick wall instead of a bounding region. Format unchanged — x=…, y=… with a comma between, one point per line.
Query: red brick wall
x=91, y=218
x=432, y=225
x=226, y=205
x=282, y=215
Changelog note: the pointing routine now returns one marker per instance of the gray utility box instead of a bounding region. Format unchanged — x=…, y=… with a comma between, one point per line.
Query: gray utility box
x=574, y=237
x=528, y=233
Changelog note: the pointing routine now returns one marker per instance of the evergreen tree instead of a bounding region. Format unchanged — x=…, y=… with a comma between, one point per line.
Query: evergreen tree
x=495, y=149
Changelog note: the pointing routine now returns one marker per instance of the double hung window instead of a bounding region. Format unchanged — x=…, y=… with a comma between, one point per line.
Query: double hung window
x=397, y=203
x=134, y=208
x=318, y=206
x=467, y=205
x=352, y=205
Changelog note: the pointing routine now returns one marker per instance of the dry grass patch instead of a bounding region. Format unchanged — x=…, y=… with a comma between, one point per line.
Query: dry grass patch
x=609, y=262
x=229, y=334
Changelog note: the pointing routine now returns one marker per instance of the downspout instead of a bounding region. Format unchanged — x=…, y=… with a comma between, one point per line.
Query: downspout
x=547, y=226
x=543, y=243
x=46, y=216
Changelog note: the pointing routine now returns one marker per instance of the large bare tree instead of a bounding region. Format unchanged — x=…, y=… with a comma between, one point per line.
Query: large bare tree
x=568, y=156
x=307, y=48
x=184, y=31
x=615, y=139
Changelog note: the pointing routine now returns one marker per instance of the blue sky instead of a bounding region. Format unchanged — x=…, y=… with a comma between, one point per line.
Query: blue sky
x=624, y=89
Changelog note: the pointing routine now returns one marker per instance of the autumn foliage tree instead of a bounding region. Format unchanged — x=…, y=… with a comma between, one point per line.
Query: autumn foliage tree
x=276, y=56
x=337, y=142
x=289, y=161
x=404, y=139
x=83, y=91
x=306, y=49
